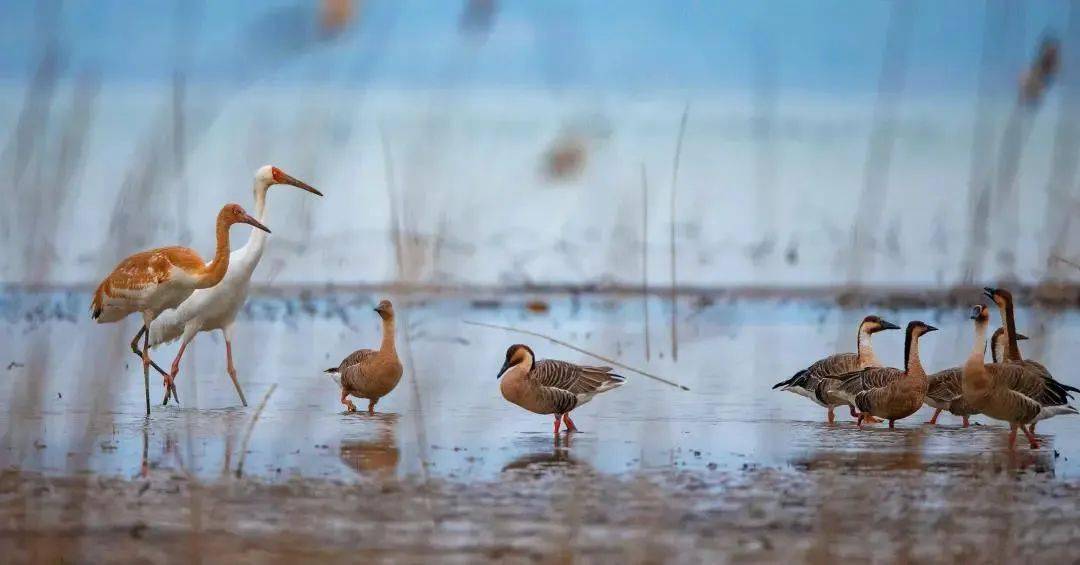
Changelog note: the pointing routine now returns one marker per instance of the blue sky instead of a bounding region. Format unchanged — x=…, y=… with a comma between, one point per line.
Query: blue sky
x=823, y=46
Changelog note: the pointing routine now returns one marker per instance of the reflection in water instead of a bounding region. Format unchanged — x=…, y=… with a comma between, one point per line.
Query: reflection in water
x=888, y=451
x=379, y=456
x=555, y=457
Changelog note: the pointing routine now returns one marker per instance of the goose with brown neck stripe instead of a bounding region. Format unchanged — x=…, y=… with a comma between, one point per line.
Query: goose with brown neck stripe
x=886, y=392
x=552, y=387
x=945, y=392
x=1008, y=391
x=1037, y=382
x=807, y=381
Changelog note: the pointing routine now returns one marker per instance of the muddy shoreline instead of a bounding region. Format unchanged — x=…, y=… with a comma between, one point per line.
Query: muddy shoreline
x=544, y=511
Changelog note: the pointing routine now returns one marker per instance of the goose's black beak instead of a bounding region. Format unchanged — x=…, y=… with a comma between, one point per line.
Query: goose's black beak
x=928, y=328
x=889, y=325
x=989, y=292
x=505, y=366
x=1021, y=337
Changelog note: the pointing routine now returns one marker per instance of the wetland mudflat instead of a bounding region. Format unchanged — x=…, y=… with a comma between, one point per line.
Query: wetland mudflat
x=448, y=468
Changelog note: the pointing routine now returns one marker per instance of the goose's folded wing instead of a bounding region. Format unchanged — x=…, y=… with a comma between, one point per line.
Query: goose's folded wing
x=356, y=357
x=945, y=385
x=1023, y=407
x=1029, y=382
x=575, y=379
x=835, y=365
x=867, y=379
x=867, y=400
x=559, y=400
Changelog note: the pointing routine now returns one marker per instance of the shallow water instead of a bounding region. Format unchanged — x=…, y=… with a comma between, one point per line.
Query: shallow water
x=76, y=400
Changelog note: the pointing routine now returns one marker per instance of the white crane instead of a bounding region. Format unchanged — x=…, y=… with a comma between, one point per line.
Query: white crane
x=215, y=308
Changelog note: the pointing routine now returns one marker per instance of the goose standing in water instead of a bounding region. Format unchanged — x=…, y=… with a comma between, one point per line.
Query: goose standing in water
x=945, y=391
x=370, y=373
x=1038, y=389
x=552, y=387
x=806, y=381
x=1007, y=391
x=886, y=392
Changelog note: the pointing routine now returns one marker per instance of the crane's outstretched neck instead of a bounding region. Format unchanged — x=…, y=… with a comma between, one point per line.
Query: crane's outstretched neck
x=215, y=270
x=256, y=242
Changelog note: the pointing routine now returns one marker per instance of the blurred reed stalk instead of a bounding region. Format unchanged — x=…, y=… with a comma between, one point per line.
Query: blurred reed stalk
x=674, y=249
x=645, y=258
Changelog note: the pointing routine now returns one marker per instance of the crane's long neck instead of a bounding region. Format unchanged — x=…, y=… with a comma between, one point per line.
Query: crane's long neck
x=911, y=352
x=1012, y=353
x=865, y=346
x=257, y=241
x=388, y=329
x=215, y=270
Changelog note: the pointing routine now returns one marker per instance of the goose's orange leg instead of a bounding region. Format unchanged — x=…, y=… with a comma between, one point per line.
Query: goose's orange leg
x=1030, y=433
x=570, y=427
x=558, y=421
x=933, y=419
x=1012, y=437
x=345, y=400
x=371, y=406
x=965, y=421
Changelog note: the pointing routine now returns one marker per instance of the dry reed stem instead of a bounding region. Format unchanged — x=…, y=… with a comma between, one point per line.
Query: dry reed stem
x=579, y=350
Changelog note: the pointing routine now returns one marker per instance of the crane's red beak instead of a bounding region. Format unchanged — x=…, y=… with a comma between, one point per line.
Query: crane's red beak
x=281, y=178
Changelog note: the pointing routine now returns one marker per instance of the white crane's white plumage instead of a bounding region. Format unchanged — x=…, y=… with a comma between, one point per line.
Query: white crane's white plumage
x=216, y=308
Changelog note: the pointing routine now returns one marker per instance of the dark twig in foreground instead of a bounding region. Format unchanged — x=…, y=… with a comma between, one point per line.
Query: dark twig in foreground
x=579, y=350
x=1066, y=261
x=251, y=426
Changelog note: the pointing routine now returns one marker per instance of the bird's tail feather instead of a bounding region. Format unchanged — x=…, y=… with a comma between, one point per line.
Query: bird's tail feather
x=614, y=381
x=798, y=379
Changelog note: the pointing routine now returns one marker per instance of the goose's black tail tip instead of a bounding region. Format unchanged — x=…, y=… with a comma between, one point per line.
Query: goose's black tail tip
x=796, y=379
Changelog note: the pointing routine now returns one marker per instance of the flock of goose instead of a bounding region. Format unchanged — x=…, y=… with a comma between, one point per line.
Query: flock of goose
x=1012, y=389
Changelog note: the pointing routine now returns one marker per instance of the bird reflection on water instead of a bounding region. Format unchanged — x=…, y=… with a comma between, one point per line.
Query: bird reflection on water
x=376, y=451
x=553, y=456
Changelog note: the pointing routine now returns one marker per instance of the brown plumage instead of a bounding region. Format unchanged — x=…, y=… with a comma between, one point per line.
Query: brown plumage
x=552, y=387
x=1007, y=391
x=153, y=281
x=809, y=381
x=1035, y=381
x=886, y=392
x=368, y=373
x=944, y=390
